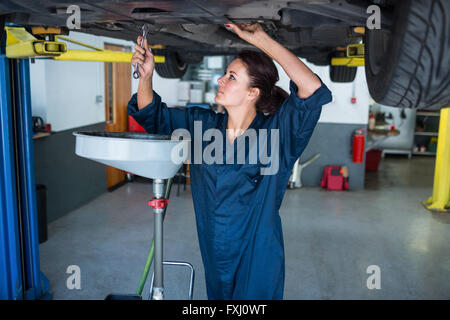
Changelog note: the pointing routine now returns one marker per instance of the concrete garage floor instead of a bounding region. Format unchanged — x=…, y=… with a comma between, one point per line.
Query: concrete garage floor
x=331, y=238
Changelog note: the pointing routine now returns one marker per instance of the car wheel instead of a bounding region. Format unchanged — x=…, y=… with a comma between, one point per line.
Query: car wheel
x=342, y=73
x=173, y=68
x=408, y=66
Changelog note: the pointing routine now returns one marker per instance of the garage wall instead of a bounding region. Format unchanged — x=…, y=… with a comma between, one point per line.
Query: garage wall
x=71, y=181
x=64, y=92
x=333, y=142
x=340, y=110
x=332, y=137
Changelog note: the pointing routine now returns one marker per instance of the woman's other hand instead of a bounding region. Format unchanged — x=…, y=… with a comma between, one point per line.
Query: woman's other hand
x=145, y=58
x=252, y=33
x=306, y=81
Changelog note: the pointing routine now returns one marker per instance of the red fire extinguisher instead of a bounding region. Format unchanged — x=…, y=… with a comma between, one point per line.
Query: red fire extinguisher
x=358, y=146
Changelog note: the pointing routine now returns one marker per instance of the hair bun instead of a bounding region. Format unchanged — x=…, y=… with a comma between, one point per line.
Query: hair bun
x=263, y=75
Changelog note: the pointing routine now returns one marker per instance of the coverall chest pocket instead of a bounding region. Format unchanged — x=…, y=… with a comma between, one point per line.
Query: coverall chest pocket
x=251, y=176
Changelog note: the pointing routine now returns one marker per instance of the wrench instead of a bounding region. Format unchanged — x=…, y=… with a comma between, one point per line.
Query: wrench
x=136, y=73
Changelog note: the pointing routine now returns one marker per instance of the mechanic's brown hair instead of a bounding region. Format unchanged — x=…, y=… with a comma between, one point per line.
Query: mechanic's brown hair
x=263, y=75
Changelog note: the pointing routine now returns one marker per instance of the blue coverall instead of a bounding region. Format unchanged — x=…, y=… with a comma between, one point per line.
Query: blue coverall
x=236, y=207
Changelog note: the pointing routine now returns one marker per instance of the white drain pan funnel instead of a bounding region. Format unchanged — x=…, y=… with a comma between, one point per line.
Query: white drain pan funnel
x=146, y=155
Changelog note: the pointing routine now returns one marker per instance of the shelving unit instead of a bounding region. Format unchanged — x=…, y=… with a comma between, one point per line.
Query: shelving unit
x=404, y=121
x=429, y=121
x=425, y=153
x=426, y=133
x=41, y=135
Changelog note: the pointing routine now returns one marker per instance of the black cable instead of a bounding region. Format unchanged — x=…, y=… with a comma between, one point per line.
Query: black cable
x=13, y=73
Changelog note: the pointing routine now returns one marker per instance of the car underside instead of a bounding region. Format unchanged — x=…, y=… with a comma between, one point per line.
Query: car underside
x=406, y=57
x=312, y=29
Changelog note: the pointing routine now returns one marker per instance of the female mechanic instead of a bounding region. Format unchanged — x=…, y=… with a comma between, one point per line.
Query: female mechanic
x=236, y=206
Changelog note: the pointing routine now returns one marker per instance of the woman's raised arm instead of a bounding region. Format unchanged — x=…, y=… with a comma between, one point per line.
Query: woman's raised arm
x=147, y=107
x=146, y=61
x=306, y=81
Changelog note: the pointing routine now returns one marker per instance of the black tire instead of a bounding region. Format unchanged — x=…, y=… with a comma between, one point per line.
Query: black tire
x=409, y=65
x=342, y=73
x=173, y=68
x=320, y=58
x=191, y=57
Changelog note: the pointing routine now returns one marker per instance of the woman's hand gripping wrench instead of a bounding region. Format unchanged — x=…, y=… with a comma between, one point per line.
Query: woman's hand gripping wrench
x=136, y=73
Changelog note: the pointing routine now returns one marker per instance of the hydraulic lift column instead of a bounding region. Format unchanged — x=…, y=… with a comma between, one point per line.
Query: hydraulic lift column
x=19, y=246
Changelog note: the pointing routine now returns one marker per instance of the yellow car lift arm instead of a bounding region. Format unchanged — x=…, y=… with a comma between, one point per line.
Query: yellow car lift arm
x=354, y=56
x=21, y=44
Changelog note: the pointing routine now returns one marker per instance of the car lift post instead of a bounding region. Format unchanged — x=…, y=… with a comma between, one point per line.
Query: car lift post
x=440, y=200
x=10, y=259
x=19, y=244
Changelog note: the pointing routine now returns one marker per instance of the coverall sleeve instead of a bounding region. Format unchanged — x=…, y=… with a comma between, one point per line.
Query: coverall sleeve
x=157, y=118
x=297, y=119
